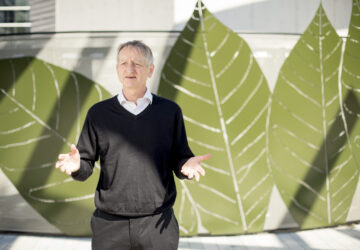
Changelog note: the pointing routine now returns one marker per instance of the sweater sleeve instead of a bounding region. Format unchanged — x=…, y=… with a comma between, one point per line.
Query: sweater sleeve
x=88, y=149
x=181, y=149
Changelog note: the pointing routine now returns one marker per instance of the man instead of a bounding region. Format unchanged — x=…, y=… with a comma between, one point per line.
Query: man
x=141, y=140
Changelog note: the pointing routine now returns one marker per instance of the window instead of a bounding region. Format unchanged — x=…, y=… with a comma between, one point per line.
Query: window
x=14, y=16
x=14, y=2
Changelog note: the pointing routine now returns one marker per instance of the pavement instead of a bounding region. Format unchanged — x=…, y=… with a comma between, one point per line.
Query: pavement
x=341, y=237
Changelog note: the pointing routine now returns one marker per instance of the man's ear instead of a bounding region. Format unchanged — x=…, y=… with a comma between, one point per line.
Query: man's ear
x=151, y=70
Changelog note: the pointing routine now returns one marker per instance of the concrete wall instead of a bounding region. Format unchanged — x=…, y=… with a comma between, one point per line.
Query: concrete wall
x=253, y=16
x=264, y=16
x=42, y=15
x=268, y=16
x=114, y=15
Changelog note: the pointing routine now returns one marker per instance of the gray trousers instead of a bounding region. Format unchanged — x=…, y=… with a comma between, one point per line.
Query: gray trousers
x=159, y=231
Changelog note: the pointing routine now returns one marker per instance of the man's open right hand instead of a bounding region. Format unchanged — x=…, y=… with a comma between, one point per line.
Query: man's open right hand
x=69, y=163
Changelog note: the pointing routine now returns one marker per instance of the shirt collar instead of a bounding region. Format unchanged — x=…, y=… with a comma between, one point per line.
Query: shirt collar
x=147, y=96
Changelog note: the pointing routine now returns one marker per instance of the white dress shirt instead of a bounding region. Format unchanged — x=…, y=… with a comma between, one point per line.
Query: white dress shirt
x=142, y=103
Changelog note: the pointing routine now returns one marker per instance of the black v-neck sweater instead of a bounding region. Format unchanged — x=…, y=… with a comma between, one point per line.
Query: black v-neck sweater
x=138, y=155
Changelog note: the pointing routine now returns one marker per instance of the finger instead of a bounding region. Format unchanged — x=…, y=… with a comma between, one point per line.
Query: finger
x=58, y=164
x=204, y=157
x=201, y=171
x=183, y=170
x=63, y=168
x=62, y=156
x=197, y=176
x=190, y=175
x=74, y=150
x=68, y=172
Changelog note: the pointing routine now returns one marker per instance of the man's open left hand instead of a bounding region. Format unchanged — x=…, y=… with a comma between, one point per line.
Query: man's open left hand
x=192, y=167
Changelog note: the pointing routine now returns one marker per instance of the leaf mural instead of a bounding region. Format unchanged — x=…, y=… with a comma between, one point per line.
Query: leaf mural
x=350, y=80
x=42, y=108
x=213, y=76
x=309, y=154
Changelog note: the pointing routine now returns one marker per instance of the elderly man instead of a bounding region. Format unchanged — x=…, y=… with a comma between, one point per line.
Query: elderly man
x=141, y=140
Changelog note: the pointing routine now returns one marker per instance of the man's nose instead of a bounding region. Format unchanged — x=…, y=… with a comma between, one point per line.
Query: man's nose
x=130, y=67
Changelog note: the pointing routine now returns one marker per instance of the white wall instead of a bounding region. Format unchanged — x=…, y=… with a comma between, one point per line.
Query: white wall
x=93, y=53
x=268, y=16
x=282, y=20
x=74, y=15
x=42, y=15
x=262, y=16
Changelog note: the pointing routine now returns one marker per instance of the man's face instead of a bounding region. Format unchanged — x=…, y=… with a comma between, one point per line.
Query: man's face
x=132, y=68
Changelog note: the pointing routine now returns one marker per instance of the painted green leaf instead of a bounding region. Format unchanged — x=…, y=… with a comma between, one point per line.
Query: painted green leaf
x=309, y=154
x=350, y=79
x=212, y=74
x=42, y=108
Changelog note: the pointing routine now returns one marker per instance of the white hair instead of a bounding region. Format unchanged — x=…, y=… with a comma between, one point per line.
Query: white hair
x=142, y=47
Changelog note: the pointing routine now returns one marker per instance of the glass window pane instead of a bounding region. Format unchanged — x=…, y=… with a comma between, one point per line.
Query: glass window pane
x=22, y=16
x=14, y=16
x=14, y=30
x=7, y=17
x=14, y=2
x=7, y=2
